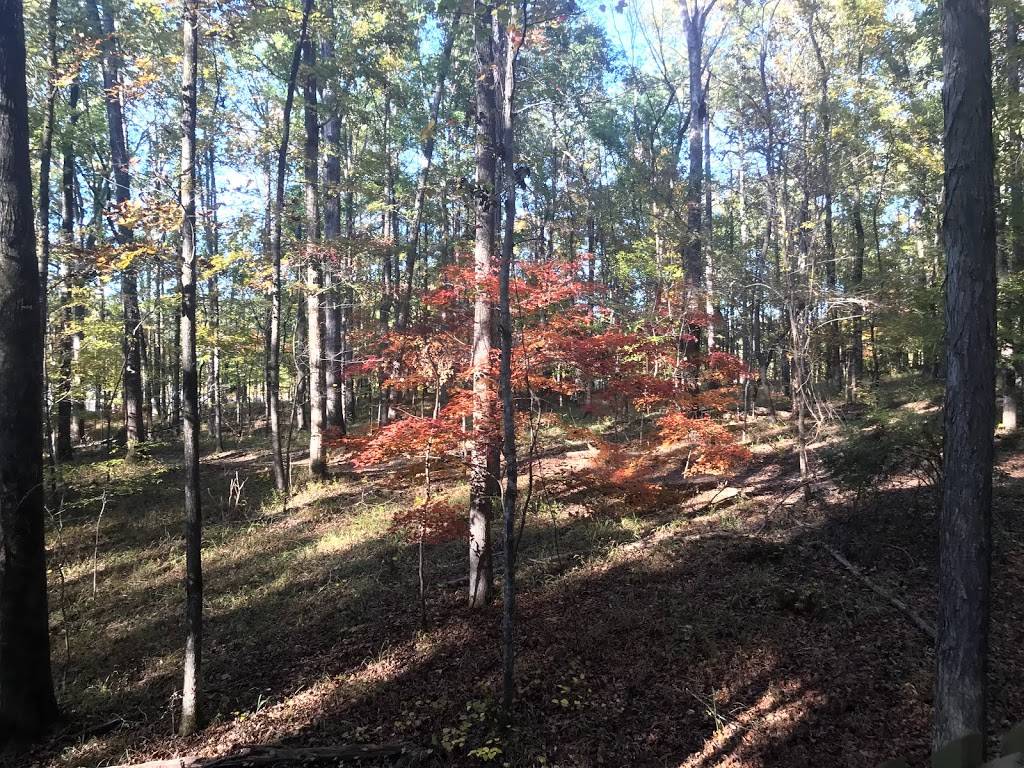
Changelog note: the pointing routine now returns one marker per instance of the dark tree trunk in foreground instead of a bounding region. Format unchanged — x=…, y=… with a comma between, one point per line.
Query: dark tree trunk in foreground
x=131, y=385
x=484, y=459
x=27, y=703
x=507, y=72
x=970, y=241
x=314, y=273
x=273, y=371
x=190, y=692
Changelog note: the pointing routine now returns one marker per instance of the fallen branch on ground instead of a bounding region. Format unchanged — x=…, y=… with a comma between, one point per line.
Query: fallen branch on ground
x=925, y=626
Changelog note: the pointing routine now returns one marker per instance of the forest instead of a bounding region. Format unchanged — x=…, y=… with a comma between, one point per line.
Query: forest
x=552, y=383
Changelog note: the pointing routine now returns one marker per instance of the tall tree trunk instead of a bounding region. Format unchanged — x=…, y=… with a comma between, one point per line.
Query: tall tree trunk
x=212, y=226
x=833, y=367
x=190, y=690
x=273, y=372
x=483, y=458
x=300, y=354
x=334, y=376
x=43, y=211
x=694, y=19
x=213, y=292
x=970, y=239
x=66, y=404
x=27, y=703
x=856, y=280
x=387, y=276
x=1014, y=257
x=430, y=139
x=314, y=272
x=706, y=235
x=131, y=385
x=512, y=38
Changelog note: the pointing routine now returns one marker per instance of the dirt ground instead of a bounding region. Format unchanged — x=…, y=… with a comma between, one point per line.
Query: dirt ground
x=712, y=627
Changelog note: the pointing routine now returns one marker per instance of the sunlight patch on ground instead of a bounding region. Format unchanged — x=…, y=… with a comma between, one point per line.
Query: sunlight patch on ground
x=772, y=717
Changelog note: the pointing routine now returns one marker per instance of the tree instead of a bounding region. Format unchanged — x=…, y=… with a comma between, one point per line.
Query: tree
x=273, y=362
x=970, y=240
x=190, y=690
x=102, y=19
x=27, y=702
x=484, y=453
x=511, y=36
x=314, y=272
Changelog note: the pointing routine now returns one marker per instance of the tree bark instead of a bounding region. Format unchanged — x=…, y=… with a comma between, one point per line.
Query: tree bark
x=131, y=385
x=273, y=369
x=314, y=271
x=212, y=226
x=970, y=241
x=483, y=458
x=334, y=375
x=512, y=36
x=191, y=686
x=27, y=703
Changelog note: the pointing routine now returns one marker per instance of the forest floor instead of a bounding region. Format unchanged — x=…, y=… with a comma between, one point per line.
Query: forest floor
x=712, y=627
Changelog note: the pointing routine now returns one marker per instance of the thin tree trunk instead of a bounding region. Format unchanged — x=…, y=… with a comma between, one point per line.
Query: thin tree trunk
x=314, y=272
x=27, y=703
x=970, y=240
x=212, y=226
x=43, y=211
x=134, y=408
x=483, y=458
x=512, y=38
x=191, y=686
x=856, y=280
x=333, y=347
x=273, y=371
x=833, y=368
x=66, y=404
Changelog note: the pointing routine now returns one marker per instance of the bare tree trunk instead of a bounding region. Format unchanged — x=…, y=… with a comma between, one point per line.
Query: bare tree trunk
x=505, y=74
x=212, y=226
x=192, y=683
x=131, y=385
x=706, y=235
x=483, y=459
x=273, y=373
x=833, y=367
x=970, y=241
x=300, y=355
x=694, y=19
x=43, y=211
x=333, y=322
x=314, y=272
x=27, y=703
x=856, y=280
x=66, y=405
